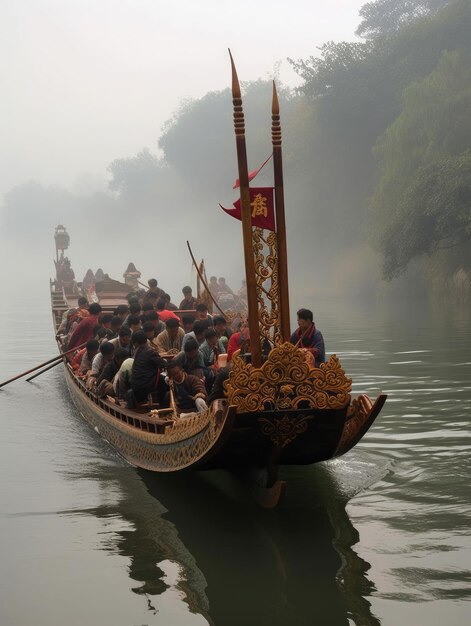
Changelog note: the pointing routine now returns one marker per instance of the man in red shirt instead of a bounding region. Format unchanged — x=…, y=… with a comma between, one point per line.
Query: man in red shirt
x=85, y=330
x=90, y=350
x=164, y=314
x=238, y=341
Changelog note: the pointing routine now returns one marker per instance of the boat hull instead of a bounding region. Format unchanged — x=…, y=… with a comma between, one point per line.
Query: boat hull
x=227, y=436
x=223, y=439
x=148, y=443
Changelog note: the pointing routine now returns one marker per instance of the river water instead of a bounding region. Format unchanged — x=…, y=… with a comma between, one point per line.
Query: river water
x=380, y=536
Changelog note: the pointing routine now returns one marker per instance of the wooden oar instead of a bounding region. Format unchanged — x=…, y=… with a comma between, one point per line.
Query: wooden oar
x=204, y=282
x=173, y=404
x=44, y=370
x=33, y=369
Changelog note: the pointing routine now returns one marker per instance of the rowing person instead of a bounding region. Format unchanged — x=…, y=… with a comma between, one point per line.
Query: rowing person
x=189, y=391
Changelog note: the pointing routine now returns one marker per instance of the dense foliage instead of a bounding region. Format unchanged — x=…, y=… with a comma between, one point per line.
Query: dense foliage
x=423, y=198
x=386, y=17
x=394, y=124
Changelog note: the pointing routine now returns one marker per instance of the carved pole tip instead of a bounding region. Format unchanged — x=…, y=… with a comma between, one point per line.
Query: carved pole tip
x=275, y=106
x=235, y=80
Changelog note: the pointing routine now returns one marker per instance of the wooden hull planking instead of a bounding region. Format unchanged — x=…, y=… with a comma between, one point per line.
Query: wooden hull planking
x=136, y=437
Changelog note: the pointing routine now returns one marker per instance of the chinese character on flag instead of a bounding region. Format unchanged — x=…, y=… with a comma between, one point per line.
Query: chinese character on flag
x=262, y=208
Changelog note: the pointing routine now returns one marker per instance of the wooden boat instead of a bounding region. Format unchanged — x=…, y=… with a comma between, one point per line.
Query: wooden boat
x=277, y=410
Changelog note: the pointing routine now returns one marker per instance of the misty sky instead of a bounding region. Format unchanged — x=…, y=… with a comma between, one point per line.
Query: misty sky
x=88, y=81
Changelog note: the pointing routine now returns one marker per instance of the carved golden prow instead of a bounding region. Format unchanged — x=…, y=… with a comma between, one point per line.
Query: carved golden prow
x=286, y=381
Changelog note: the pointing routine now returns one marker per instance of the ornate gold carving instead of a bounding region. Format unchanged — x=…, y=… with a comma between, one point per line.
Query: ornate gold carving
x=266, y=271
x=285, y=381
x=284, y=430
x=231, y=315
x=159, y=457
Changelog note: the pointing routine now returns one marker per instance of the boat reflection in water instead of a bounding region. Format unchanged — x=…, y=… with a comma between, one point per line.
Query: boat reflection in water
x=234, y=563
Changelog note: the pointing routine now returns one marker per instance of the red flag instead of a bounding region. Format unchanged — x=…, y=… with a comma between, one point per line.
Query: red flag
x=253, y=173
x=262, y=205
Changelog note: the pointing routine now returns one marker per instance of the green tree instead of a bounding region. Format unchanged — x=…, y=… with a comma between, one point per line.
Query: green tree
x=198, y=142
x=434, y=214
x=423, y=197
x=133, y=176
x=355, y=93
x=336, y=65
x=386, y=17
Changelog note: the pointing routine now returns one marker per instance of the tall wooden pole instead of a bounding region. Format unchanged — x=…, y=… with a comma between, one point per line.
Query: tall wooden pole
x=246, y=210
x=201, y=278
x=280, y=218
